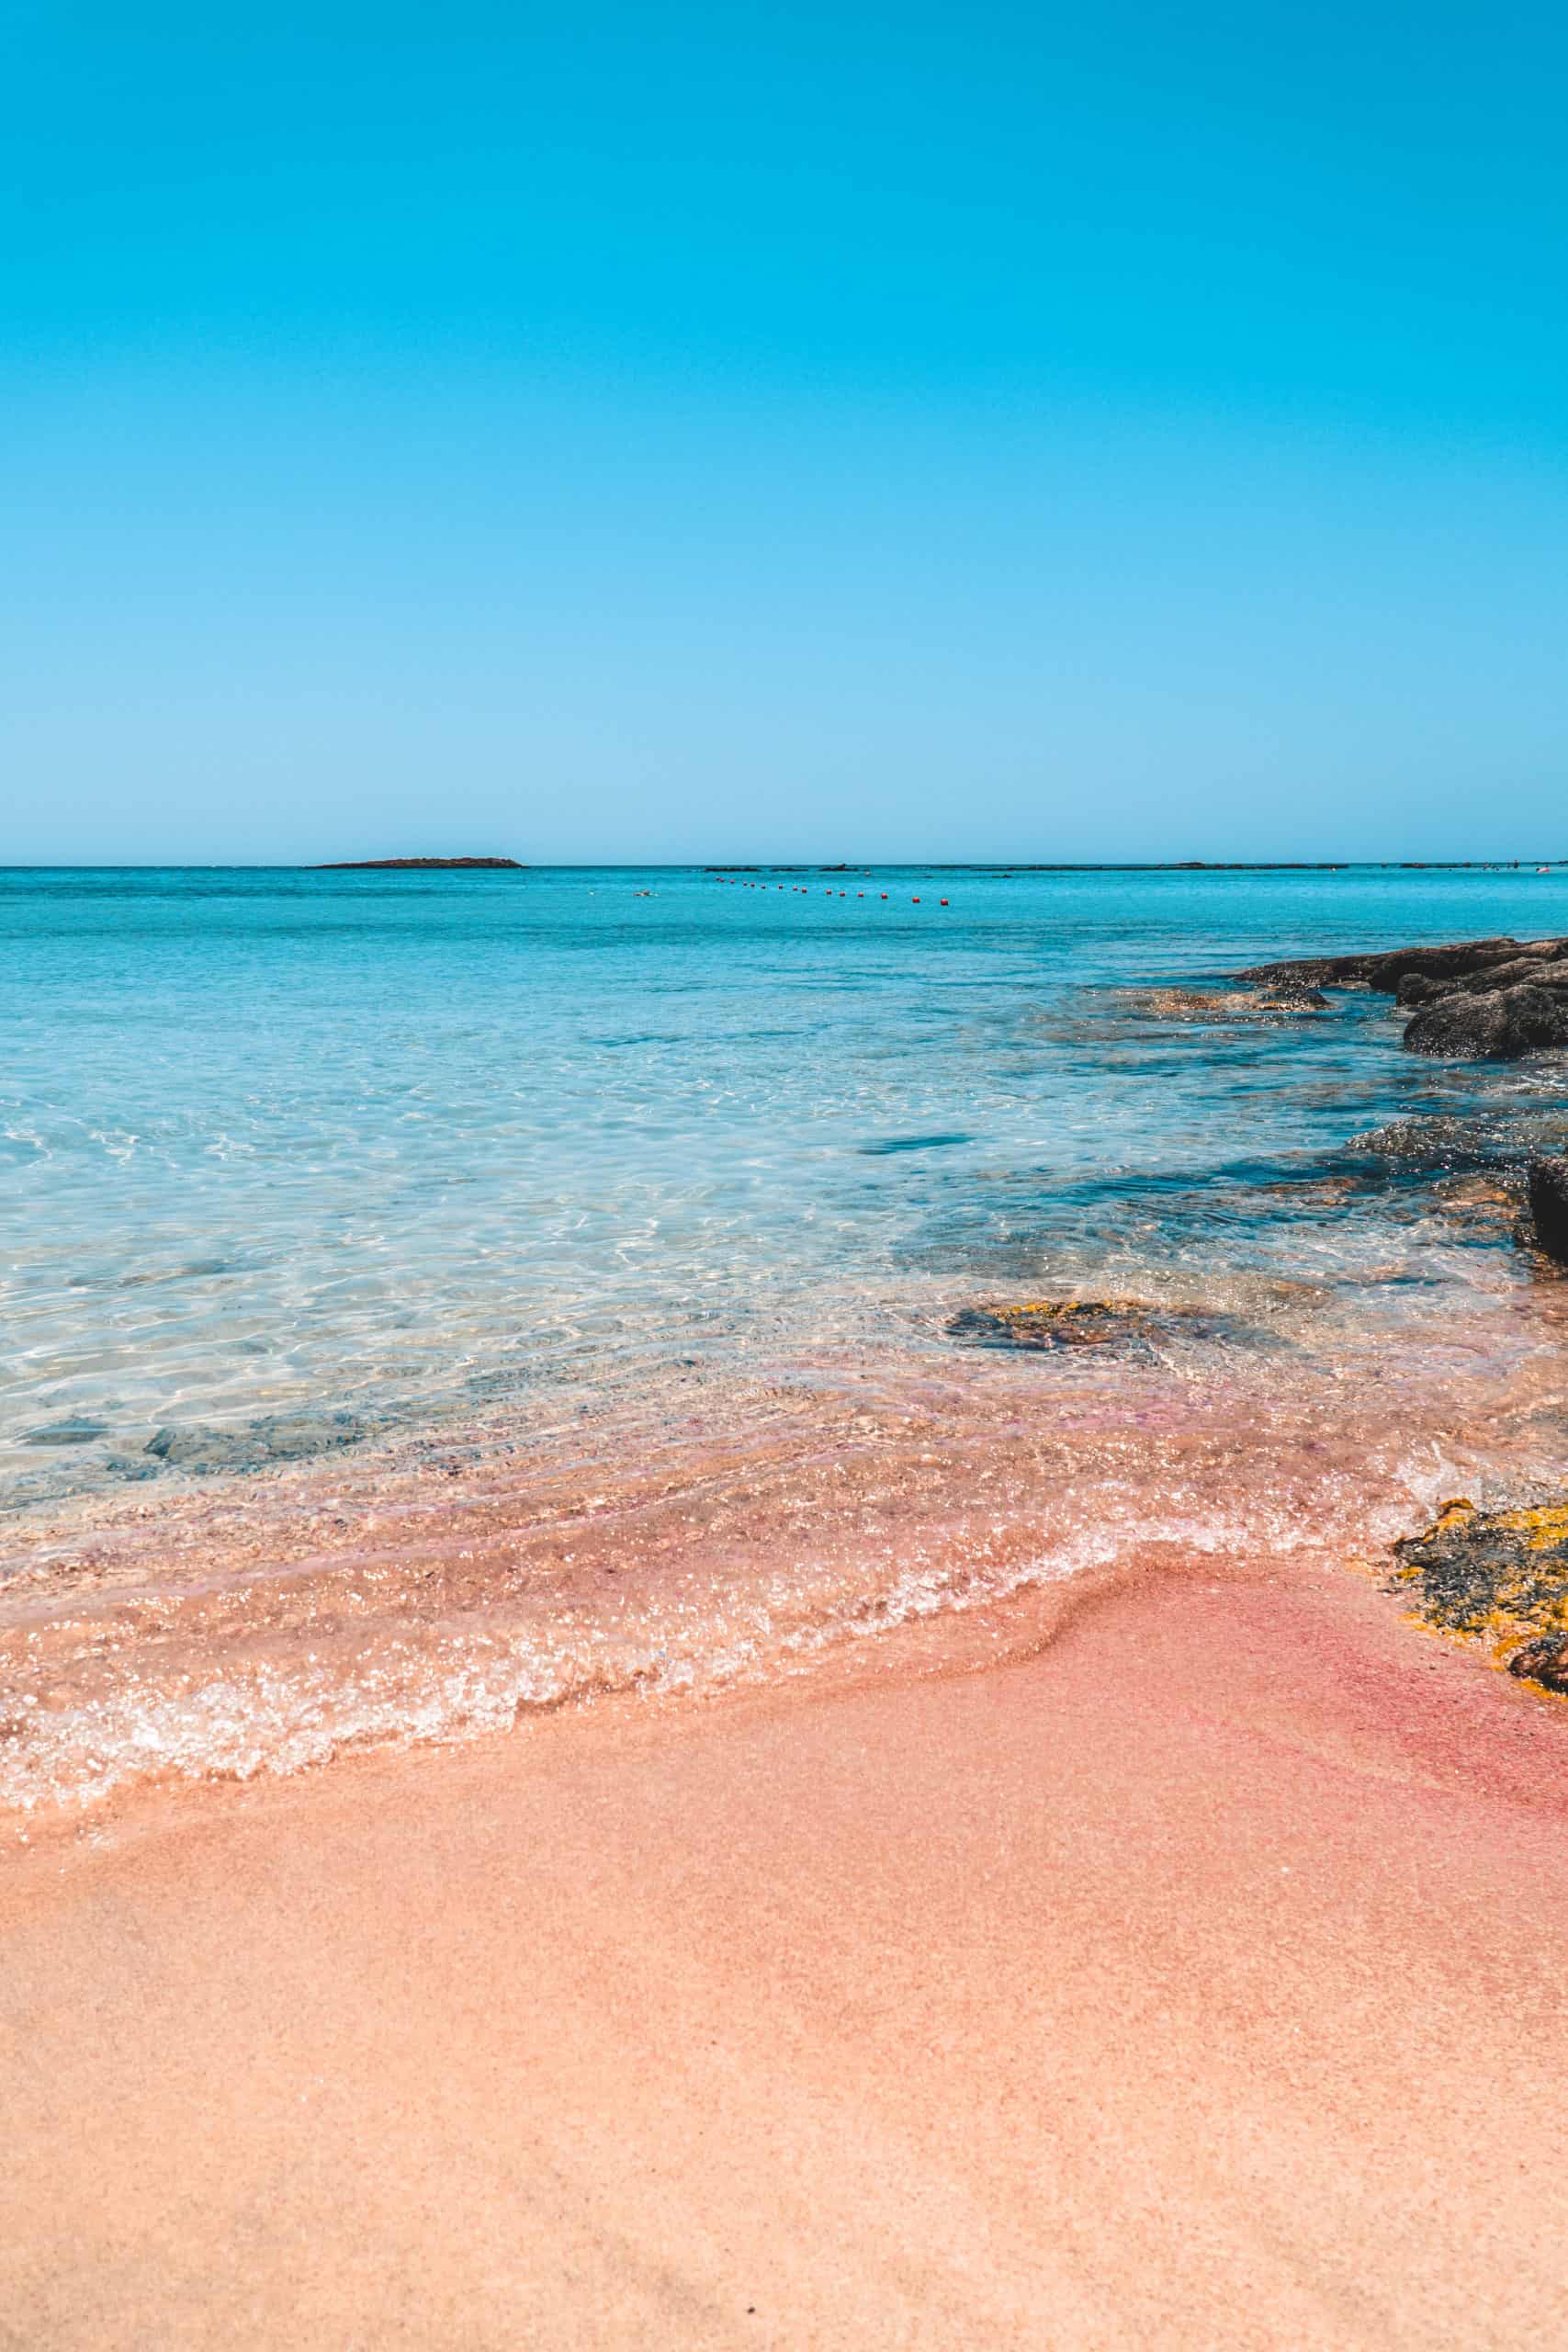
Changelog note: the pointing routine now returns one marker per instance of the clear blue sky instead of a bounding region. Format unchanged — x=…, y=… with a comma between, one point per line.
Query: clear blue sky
x=673, y=430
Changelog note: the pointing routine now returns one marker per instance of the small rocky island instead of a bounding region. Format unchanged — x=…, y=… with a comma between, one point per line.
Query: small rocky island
x=422, y=866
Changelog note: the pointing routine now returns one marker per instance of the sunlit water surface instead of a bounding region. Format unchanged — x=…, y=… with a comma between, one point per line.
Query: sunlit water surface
x=321, y=1186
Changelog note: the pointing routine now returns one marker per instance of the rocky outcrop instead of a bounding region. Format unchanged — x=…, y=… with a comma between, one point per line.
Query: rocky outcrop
x=1382, y=968
x=1547, y=1180
x=1492, y=1025
x=1500, y=1578
x=1475, y=999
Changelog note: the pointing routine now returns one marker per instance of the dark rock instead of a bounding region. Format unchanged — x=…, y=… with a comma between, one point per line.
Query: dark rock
x=1497, y=1025
x=1294, y=996
x=1475, y=999
x=1310, y=972
x=72, y=1432
x=1465, y=1028
x=280, y=1437
x=1545, y=1662
x=1456, y=961
x=1384, y=969
x=131, y=1466
x=1548, y=1182
x=1500, y=1577
x=1541, y=971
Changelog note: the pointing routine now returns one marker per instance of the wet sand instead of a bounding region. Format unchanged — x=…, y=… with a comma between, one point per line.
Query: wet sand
x=1196, y=1981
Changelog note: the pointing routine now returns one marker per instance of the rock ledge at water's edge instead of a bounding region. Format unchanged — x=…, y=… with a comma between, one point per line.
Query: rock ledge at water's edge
x=1477, y=999
x=1499, y=1577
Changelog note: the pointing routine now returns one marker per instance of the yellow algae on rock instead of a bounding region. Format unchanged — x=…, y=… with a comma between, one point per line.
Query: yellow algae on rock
x=1498, y=1577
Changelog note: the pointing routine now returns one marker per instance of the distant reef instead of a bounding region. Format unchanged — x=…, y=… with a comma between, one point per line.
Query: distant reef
x=422, y=866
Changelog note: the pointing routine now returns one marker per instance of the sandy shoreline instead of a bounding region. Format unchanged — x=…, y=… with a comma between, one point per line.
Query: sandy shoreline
x=1196, y=1981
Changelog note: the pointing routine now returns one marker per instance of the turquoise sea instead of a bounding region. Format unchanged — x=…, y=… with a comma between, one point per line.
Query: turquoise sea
x=293, y=1141
x=646, y=1208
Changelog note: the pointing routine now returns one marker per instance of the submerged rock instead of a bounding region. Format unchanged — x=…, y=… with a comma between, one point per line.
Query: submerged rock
x=1045, y=1323
x=76, y=1431
x=1128, y=1326
x=1442, y=1143
x=1548, y=1182
x=1288, y=996
x=280, y=1437
x=1455, y=1143
x=1485, y=1206
x=1497, y=1577
x=131, y=1466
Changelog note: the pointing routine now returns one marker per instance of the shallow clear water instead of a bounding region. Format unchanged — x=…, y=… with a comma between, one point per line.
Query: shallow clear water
x=625, y=1218
x=280, y=1140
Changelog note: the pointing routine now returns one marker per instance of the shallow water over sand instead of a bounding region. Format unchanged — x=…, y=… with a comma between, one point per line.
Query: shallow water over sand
x=542, y=1288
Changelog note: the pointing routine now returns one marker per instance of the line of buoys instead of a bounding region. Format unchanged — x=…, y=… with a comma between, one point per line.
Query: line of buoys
x=800, y=889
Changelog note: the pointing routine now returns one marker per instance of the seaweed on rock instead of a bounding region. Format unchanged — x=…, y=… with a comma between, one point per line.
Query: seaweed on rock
x=1500, y=1578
